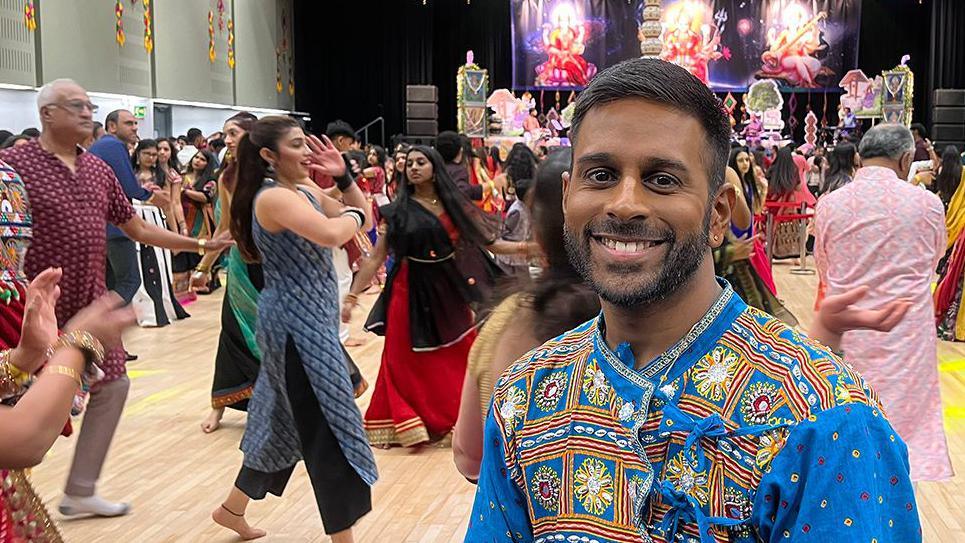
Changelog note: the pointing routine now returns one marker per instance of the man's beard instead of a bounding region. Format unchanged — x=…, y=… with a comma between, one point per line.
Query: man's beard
x=683, y=258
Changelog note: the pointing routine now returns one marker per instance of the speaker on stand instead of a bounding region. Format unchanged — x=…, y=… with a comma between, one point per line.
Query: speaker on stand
x=421, y=113
x=948, y=119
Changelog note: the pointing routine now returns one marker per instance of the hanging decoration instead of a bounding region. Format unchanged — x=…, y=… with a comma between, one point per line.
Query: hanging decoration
x=148, y=37
x=811, y=128
x=119, y=23
x=291, y=77
x=29, y=16
x=221, y=11
x=231, y=44
x=211, y=53
x=281, y=55
x=278, y=56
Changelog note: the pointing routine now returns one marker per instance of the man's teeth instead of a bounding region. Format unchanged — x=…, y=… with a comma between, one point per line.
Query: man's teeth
x=627, y=247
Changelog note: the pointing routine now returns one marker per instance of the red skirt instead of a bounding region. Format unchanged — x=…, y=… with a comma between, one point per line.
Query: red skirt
x=416, y=396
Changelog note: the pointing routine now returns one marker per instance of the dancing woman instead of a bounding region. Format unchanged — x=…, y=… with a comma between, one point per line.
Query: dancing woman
x=303, y=404
x=238, y=359
x=439, y=240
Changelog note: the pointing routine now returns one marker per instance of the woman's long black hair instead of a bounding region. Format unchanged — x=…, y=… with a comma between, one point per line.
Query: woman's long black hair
x=521, y=163
x=783, y=177
x=473, y=224
x=159, y=178
x=252, y=172
x=560, y=299
x=173, y=162
x=227, y=172
x=748, y=180
x=841, y=167
x=205, y=176
x=948, y=179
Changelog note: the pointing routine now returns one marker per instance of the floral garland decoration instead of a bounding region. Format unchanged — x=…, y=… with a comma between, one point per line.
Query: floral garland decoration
x=119, y=23
x=29, y=15
x=211, y=53
x=278, y=57
x=231, y=44
x=148, y=36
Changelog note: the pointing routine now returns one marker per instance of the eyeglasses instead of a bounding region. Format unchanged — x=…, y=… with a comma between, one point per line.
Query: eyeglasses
x=77, y=106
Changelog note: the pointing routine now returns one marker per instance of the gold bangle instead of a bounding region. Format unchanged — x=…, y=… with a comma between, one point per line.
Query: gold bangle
x=201, y=243
x=351, y=298
x=202, y=268
x=64, y=370
x=78, y=339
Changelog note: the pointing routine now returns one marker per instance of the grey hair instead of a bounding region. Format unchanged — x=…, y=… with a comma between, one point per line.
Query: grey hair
x=886, y=141
x=48, y=93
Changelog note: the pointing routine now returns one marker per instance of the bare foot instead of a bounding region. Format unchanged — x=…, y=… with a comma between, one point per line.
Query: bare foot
x=355, y=342
x=213, y=421
x=237, y=523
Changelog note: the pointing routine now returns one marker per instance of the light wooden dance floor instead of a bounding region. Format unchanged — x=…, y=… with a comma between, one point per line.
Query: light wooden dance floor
x=175, y=475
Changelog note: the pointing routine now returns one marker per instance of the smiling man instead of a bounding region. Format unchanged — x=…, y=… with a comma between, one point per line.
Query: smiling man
x=679, y=414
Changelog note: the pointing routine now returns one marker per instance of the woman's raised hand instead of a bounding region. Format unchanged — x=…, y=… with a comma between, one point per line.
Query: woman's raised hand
x=325, y=157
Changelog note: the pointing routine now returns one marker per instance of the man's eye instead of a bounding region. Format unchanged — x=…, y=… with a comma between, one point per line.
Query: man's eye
x=663, y=181
x=599, y=176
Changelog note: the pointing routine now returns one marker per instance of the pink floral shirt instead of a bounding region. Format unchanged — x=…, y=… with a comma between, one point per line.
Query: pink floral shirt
x=882, y=232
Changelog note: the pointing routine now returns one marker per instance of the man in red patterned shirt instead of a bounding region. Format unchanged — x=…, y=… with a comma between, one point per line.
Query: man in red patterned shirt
x=73, y=195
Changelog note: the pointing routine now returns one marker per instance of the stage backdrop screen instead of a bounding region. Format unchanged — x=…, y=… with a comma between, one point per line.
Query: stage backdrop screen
x=729, y=44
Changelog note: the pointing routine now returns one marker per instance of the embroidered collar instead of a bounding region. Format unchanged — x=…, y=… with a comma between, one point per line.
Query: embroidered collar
x=624, y=362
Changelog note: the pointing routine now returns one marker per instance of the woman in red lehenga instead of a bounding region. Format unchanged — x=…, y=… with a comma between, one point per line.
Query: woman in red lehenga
x=441, y=273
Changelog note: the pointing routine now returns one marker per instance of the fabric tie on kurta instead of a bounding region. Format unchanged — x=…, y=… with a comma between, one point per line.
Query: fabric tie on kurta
x=683, y=506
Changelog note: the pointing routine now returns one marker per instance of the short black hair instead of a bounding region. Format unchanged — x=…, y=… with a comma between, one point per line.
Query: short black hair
x=668, y=84
x=448, y=144
x=339, y=127
x=217, y=144
x=920, y=128
x=30, y=132
x=193, y=134
x=4, y=134
x=112, y=117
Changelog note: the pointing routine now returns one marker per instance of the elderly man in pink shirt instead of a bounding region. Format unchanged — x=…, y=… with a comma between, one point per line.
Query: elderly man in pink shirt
x=882, y=232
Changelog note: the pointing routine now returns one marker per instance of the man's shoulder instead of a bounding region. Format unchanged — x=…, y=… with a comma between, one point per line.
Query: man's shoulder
x=14, y=155
x=784, y=369
x=559, y=353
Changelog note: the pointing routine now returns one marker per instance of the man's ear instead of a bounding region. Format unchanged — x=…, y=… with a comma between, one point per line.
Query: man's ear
x=723, y=205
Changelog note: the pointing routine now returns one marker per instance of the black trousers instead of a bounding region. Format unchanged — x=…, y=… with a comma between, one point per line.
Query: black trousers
x=342, y=496
x=123, y=275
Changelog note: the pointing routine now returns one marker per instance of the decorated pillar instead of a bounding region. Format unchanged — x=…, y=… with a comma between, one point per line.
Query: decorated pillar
x=472, y=88
x=649, y=33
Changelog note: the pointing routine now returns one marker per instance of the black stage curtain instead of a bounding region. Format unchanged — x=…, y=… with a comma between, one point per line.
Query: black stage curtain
x=353, y=59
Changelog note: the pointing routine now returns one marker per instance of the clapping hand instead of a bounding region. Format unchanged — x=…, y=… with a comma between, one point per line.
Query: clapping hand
x=105, y=319
x=39, y=320
x=325, y=157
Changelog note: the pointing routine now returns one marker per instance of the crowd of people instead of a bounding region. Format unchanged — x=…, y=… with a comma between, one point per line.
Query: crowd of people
x=659, y=386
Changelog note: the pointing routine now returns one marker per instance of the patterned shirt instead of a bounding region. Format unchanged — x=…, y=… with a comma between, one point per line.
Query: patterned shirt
x=70, y=215
x=743, y=431
x=15, y=228
x=888, y=234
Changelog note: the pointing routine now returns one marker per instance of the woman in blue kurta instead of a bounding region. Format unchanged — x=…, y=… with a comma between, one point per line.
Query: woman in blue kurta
x=303, y=404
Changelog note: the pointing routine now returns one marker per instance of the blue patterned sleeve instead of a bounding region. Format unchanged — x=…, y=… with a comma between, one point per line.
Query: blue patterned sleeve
x=842, y=475
x=499, y=513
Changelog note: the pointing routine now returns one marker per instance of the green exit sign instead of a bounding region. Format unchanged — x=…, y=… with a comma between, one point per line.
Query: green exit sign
x=139, y=112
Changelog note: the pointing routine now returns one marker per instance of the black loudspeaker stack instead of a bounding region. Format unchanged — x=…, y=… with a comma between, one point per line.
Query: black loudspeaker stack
x=948, y=119
x=421, y=110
